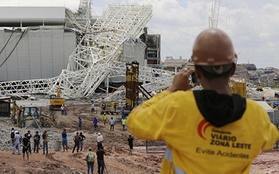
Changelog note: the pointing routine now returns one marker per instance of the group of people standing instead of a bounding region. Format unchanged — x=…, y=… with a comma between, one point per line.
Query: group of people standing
x=17, y=140
x=105, y=120
x=78, y=140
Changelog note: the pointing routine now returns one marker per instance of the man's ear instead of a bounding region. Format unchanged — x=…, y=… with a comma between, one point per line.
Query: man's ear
x=233, y=69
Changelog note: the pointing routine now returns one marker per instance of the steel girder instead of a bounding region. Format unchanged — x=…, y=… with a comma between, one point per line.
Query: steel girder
x=95, y=54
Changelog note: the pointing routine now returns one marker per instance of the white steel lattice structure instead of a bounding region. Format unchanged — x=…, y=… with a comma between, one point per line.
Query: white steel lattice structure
x=98, y=56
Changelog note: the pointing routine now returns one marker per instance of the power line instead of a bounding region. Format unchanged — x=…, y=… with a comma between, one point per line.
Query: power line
x=13, y=48
x=7, y=41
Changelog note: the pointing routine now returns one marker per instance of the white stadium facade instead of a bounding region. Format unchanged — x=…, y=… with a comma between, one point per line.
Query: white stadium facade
x=34, y=42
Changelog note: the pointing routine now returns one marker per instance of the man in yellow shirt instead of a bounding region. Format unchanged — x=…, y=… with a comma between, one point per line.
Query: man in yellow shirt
x=210, y=131
x=105, y=118
x=123, y=123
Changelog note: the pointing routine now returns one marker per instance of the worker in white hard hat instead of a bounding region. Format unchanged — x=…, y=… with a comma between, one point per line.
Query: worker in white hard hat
x=17, y=140
x=100, y=140
x=210, y=130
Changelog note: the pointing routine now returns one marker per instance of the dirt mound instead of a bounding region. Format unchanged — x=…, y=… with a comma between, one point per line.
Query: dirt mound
x=117, y=158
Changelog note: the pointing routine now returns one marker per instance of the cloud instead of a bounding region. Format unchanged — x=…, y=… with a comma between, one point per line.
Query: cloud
x=253, y=29
x=252, y=24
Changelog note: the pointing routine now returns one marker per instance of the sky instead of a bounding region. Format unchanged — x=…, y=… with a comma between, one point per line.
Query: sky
x=253, y=25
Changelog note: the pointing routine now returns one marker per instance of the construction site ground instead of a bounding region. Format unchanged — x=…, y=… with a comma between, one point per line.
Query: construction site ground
x=117, y=158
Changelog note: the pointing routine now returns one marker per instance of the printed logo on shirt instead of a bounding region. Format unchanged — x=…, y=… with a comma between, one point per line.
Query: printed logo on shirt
x=203, y=125
x=221, y=138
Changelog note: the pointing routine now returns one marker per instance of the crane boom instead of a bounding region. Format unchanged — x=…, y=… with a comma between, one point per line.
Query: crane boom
x=213, y=19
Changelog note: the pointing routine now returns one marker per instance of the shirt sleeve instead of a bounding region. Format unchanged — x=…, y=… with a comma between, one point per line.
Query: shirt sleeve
x=147, y=121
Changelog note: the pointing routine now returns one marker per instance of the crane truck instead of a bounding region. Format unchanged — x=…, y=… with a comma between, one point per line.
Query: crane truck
x=56, y=101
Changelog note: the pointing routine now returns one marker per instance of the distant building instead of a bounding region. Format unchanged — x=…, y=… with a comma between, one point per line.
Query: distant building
x=251, y=66
x=268, y=70
x=174, y=64
x=153, y=49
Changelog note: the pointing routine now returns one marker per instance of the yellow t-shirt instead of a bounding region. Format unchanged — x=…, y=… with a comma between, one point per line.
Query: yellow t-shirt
x=197, y=146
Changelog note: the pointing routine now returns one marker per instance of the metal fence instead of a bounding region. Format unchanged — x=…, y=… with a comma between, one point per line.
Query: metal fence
x=155, y=146
x=274, y=118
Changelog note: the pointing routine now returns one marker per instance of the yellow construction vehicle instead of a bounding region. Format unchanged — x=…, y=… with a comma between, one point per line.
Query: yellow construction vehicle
x=34, y=113
x=56, y=101
x=26, y=113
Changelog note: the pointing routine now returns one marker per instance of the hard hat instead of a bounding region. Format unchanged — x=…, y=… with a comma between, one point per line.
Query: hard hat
x=213, y=47
x=99, y=133
x=16, y=132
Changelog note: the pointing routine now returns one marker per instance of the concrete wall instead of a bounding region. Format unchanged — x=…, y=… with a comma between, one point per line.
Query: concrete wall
x=41, y=53
x=31, y=16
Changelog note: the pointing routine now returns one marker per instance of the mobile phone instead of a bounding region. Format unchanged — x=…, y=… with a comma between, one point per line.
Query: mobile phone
x=194, y=78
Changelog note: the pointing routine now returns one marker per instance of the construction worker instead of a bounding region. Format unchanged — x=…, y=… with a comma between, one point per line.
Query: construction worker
x=131, y=144
x=22, y=121
x=95, y=123
x=105, y=118
x=82, y=138
x=36, y=139
x=17, y=141
x=62, y=109
x=79, y=123
x=100, y=159
x=64, y=140
x=111, y=122
x=65, y=110
x=76, y=140
x=13, y=136
x=20, y=110
x=100, y=140
x=45, y=142
x=25, y=146
x=210, y=130
x=29, y=136
x=90, y=158
x=123, y=122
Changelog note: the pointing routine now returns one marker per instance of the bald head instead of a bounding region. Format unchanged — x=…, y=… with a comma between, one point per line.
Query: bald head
x=213, y=47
